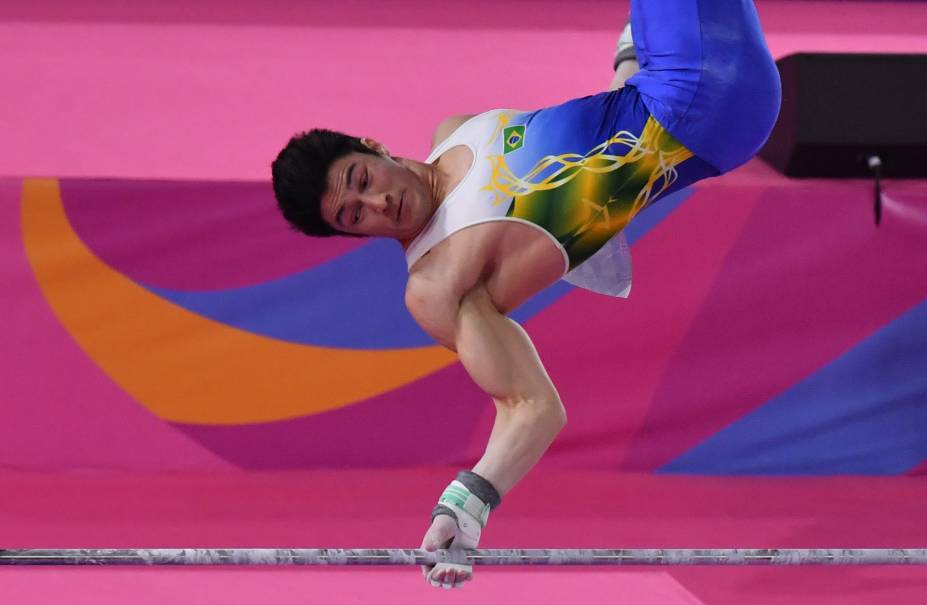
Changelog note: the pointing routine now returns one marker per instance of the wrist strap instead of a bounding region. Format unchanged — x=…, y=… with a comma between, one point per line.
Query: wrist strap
x=443, y=509
x=481, y=488
x=470, y=493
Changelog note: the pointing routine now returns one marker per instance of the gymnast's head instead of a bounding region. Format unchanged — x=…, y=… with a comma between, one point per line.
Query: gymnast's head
x=328, y=183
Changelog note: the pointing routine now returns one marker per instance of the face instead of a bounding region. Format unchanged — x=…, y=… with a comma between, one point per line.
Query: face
x=373, y=195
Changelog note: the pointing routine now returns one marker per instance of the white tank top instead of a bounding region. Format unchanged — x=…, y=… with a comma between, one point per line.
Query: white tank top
x=472, y=202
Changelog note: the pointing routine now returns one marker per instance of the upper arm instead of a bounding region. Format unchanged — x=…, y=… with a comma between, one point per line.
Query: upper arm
x=434, y=305
x=446, y=127
x=495, y=351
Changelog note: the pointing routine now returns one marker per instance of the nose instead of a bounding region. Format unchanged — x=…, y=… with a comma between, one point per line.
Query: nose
x=380, y=202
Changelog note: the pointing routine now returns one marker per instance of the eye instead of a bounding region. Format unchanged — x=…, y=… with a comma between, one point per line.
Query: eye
x=356, y=217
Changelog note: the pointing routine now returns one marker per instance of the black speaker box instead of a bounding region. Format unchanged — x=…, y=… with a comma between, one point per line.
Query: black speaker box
x=838, y=110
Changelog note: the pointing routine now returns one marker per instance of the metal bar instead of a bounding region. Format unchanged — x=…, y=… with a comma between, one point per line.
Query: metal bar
x=393, y=556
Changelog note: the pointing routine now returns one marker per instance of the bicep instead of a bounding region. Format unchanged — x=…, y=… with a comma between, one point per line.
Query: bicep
x=497, y=352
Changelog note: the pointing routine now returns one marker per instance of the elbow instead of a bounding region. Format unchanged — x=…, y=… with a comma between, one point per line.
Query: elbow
x=560, y=417
x=555, y=413
x=544, y=413
x=552, y=423
x=556, y=409
x=552, y=411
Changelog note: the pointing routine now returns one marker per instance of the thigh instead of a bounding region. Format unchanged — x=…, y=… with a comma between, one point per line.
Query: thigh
x=707, y=75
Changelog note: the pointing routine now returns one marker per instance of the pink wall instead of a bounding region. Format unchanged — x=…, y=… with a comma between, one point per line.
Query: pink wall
x=212, y=89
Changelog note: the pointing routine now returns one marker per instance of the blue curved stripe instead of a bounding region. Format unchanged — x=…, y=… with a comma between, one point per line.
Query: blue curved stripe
x=864, y=413
x=355, y=301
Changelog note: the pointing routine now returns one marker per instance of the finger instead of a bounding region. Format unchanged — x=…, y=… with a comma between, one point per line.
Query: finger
x=450, y=578
x=431, y=547
x=432, y=542
x=437, y=575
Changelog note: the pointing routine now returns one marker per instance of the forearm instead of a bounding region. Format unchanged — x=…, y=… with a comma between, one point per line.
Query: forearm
x=521, y=434
x=500, y=357
x=502, y=361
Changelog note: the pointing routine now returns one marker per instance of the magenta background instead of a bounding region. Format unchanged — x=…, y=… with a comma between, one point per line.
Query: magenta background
x=208, y=235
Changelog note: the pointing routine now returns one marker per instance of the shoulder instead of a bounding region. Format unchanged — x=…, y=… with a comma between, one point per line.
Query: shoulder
x=438, y=283
x=446, y=127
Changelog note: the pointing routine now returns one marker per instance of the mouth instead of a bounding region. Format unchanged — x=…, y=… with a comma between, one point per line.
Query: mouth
x=399, y=212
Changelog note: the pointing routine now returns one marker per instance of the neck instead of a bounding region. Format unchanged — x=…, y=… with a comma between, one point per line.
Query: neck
x=436, y=183
x=436, y=180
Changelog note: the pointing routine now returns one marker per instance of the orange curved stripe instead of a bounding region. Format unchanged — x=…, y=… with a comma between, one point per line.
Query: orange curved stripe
x=184, y=367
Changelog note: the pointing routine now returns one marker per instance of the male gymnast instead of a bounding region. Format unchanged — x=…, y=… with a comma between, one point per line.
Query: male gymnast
x=508, y=202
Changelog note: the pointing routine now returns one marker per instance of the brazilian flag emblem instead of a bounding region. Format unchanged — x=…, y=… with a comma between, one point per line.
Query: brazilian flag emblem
x=513, y=138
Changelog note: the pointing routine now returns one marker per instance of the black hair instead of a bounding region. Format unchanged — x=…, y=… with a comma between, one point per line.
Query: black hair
x=300, y=175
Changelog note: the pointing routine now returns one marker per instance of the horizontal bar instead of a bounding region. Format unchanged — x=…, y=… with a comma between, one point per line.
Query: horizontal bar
x=394, y=556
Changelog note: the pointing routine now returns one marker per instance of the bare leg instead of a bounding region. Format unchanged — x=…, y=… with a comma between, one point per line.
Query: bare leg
x=625, y=70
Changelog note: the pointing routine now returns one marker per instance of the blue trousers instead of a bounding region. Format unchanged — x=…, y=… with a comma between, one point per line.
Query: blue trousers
x=707, y=75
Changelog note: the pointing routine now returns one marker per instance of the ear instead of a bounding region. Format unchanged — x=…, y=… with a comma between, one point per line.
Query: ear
x=376, y=146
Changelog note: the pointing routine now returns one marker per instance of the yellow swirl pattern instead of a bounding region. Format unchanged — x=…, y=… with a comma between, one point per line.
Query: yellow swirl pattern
x=585, y=199
x=652, y=145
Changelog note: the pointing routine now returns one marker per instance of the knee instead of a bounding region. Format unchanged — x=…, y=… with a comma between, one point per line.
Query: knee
x=762, y=101
x=749, y=107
